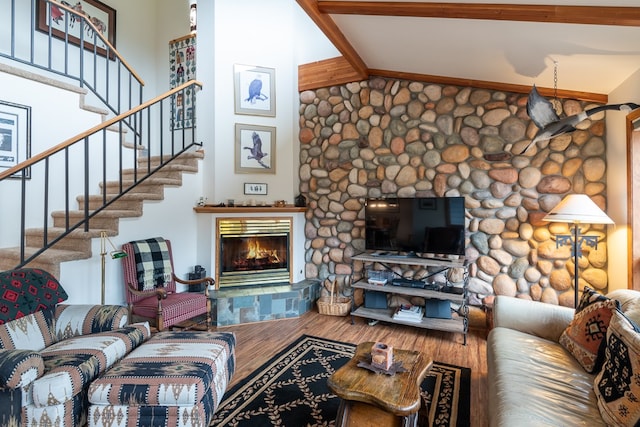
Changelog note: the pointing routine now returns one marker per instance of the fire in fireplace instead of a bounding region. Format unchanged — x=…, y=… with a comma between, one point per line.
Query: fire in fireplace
x=253, y=251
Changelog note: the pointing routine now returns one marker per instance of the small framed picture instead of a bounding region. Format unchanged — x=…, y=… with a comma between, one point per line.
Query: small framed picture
x=255, y=90
x=255, y=149
x=15, y=137
x=255, y=188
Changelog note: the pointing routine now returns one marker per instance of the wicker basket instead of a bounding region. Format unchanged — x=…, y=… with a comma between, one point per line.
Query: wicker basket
x=334, y=305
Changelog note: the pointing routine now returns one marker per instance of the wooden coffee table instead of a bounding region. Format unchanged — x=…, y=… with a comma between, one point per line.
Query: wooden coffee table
x=370, y=399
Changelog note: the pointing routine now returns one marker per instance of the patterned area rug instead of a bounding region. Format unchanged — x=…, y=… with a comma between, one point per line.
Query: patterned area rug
x=290, y=390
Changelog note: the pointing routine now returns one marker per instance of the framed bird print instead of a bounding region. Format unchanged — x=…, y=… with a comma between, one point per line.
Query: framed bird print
x=255, y=90
x=255, y=149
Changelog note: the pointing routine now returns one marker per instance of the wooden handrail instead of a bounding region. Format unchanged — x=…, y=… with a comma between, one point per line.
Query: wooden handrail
x=101, y=37
x=41, y=156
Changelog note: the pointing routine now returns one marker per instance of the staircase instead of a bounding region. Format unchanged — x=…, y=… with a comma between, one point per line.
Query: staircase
x=76, y=245
x=160, y=142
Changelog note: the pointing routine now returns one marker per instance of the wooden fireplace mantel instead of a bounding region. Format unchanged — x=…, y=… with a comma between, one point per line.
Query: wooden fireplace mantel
x=211, y=209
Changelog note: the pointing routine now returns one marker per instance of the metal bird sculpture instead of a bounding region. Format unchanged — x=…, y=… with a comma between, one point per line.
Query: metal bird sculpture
x=256, y=150
x=549, y=125
x=255, y=91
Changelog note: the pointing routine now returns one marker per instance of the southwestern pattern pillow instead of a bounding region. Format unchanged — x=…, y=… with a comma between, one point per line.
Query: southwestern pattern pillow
x=27, y=290
x=617, y=386
x=585, y=335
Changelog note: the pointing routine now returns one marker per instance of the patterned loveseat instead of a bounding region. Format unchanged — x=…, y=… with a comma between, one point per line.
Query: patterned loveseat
x=50, y=352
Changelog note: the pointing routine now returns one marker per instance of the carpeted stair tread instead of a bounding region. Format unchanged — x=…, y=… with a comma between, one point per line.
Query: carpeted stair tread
x=107, y=213
x=140, y=196
x=49, y=256
x=149, y=182
x=54, y=232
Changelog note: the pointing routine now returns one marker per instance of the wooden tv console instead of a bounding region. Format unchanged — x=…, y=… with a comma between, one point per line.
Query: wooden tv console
x=459, y=324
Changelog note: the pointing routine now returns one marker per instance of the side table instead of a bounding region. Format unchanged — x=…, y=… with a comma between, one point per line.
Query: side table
x=370, y=399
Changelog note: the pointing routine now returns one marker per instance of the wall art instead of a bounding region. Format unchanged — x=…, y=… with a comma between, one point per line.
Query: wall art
x=255, y=188
x=182, y=68
x=56, y=19
x=255, y=149
x=255, y=90
x=15, y=136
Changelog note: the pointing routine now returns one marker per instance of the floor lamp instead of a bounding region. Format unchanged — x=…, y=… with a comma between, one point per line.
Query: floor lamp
x=115, y=254
x=577, y=209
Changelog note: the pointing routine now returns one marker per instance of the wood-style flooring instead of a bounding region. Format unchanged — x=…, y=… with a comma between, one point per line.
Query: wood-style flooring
x=258, y=342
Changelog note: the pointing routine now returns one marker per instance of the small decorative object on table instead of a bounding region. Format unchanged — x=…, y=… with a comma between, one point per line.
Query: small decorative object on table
x=382, y=356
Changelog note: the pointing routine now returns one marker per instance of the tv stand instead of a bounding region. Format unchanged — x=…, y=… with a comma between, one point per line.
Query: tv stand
x=459, y=324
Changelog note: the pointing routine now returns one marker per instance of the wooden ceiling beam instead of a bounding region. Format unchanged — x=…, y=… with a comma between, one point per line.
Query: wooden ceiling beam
x=590, y=15
x=333, y=33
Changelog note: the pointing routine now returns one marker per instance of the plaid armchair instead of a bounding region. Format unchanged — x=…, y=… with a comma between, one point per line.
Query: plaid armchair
x=150, y=285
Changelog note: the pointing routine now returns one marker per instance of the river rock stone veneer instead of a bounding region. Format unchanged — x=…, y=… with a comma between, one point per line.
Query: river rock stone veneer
x=388, y=138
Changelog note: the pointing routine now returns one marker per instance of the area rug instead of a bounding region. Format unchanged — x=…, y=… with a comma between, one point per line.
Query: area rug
x=290, y=390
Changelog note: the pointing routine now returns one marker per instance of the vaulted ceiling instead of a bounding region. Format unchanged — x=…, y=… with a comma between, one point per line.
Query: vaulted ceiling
x=581, y=47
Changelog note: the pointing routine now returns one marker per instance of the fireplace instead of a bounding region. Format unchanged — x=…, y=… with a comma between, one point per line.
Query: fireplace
x=253, y=251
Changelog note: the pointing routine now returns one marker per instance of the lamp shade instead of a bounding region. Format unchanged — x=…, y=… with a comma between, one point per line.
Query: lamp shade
x=578, y=208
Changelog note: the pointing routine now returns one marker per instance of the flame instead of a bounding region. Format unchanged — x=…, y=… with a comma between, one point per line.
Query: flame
x=255, y=251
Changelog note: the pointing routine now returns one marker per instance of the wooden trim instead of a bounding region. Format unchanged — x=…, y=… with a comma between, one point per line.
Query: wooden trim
x=633, y=201
x=333, y=33
x=211, y=209
x=590, y=15
x=325, y=73
x=506, y=87
x=179, y=39
x=334, y=71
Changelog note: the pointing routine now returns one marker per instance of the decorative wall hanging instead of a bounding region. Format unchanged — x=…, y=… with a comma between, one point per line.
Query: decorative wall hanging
x=15, y=136
x=103, y=18
x=550, y=125
x=182, y=67
x=255, y=149
x=255, y=90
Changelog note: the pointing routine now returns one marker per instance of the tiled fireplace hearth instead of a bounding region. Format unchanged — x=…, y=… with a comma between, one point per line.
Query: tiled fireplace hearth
x=257, y=258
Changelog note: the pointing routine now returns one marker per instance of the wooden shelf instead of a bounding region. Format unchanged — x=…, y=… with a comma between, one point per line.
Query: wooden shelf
x=410, y=260
x=415, y=292
x=386, y=315
x=248, y=209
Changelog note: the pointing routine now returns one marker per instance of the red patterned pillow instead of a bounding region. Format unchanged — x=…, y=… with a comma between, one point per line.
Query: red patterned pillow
x=27, y=290
x=584, y=337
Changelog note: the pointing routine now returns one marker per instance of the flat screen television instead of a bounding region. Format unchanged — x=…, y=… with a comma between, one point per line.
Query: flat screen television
x=420, y=225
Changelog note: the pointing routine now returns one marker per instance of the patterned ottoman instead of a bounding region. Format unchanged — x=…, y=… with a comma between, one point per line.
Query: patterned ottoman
x=174, y=379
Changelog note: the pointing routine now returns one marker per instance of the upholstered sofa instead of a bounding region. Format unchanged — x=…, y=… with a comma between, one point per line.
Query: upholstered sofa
x=51, y=352
x=546, y=366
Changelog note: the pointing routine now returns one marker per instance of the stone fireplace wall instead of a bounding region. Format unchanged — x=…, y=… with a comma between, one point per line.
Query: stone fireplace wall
x=385, y=138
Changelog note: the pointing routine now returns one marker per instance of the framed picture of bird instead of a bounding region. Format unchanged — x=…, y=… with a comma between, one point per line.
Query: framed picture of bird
x=255, y=149
x=255, y=90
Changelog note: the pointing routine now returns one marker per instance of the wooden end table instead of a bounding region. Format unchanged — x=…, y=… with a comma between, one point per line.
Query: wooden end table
x=370, y=399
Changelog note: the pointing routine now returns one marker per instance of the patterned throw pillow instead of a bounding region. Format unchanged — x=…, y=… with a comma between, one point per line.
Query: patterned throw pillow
x=617, y=386
x=584, y=337
x=27, y=290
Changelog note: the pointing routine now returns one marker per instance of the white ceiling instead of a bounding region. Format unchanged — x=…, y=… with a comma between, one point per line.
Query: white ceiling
x=589, y=58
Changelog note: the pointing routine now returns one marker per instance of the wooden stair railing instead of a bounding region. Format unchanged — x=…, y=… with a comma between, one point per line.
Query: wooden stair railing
x=95, y=159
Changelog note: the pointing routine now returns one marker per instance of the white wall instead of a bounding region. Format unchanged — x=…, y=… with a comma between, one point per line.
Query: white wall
x=278, y=38
x=629, y=91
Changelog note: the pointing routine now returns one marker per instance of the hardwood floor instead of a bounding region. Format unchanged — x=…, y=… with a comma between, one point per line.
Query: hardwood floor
x=257, y=342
